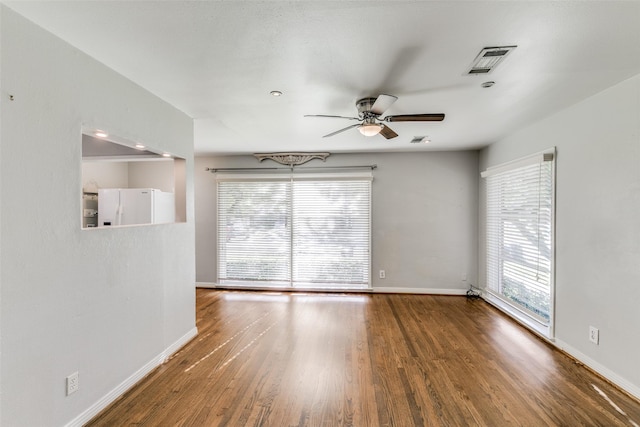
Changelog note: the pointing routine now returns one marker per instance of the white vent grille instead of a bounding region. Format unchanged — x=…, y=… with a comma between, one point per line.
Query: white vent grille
x=488, y=59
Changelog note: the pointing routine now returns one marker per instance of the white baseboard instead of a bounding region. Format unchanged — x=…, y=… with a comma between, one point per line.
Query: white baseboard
x=382, y=290
x=110, y=397
x=206, y=285
x=427, y=291
x=607, y=373
x=166, y=354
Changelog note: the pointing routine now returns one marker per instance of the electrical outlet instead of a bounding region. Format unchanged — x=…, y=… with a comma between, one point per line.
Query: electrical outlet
x=73, y=383
x=464, y=277
x=383, y=275
x=594, y=335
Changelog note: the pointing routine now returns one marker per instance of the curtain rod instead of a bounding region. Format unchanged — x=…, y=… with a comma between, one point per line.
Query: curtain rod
x=214, y=170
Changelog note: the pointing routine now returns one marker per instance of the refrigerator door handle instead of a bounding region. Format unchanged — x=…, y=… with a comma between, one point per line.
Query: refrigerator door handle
x=119, y=210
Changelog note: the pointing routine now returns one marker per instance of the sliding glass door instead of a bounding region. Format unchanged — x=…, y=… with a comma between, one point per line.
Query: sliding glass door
x=302, y=231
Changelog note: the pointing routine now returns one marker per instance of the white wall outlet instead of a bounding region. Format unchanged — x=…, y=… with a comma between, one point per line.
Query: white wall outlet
x=464, y=277
x=73, y=383
x=594, y=335
x=383, y=275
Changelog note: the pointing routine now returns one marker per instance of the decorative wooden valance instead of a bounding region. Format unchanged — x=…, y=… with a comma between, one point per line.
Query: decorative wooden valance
x=291, y=159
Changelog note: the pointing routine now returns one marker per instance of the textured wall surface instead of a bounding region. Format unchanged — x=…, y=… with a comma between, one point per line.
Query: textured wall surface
x=100, y=302
x=597, y=227
x=424, y=217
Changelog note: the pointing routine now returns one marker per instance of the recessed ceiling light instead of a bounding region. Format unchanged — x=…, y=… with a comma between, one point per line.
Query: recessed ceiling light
x=166, y=155
x=101, y=134
x=140, y=146
x=275, y=93
x=488, y=84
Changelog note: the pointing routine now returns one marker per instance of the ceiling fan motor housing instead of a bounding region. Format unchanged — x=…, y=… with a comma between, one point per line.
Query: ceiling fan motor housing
x=364, y=106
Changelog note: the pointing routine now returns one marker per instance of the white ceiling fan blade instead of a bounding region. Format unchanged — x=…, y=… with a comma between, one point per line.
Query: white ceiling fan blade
x=331, y=117
x=383, y=102
x=341, y=130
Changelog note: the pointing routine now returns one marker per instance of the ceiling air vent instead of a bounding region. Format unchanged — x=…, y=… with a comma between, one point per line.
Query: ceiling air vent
x=488, y=59
x=419, y=139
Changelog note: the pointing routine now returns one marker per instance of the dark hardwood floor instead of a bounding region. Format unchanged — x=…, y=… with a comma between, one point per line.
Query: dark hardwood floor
x=295, y=359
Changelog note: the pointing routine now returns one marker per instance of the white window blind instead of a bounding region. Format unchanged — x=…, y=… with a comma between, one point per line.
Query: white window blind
x=254, y=228
x=331, y=232
x=520, y=235
x=307, y=231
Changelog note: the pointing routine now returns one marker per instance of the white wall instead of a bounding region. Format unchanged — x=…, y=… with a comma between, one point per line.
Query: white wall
x=424, y=217
x=108, y=303
x=2, y=95
x=128, y=174
x=99, y=174
x=597, y=225
x=152, y=174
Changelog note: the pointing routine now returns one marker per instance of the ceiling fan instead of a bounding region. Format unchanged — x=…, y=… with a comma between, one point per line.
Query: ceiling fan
x=370, y=122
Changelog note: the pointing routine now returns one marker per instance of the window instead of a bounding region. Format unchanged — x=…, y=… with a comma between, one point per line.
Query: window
x=305, y=231
x=519, y=228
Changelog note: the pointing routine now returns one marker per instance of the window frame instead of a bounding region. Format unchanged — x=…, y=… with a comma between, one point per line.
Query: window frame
x=530, y=319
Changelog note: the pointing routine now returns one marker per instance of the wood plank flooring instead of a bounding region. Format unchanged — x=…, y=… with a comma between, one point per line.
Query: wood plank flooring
x=295, y=359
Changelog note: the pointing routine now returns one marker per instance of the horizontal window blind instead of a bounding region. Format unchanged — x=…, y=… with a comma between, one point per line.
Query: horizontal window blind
x=254, y=230
x=519, y=236
x=331, y=232
x=308, y=232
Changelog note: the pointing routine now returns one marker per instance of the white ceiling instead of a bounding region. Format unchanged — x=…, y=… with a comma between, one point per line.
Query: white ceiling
x=218, y=60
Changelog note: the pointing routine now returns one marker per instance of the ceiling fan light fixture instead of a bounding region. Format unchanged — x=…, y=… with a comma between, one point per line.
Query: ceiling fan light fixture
x=370, y=129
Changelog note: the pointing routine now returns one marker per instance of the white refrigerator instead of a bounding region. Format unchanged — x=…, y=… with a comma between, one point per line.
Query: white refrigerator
x=127, y=206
